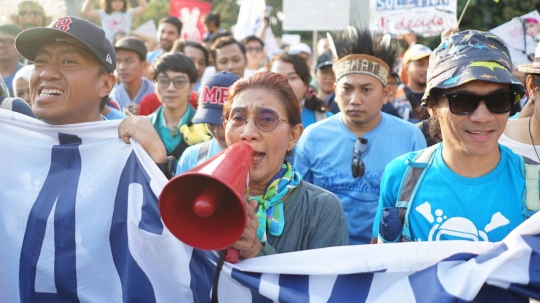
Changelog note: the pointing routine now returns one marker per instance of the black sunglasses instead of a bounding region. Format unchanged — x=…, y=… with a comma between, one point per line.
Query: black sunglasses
x=358, y=168
x=497, y=103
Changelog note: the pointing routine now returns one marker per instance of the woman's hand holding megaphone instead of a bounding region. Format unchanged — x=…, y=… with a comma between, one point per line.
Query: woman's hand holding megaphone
x=249, y=244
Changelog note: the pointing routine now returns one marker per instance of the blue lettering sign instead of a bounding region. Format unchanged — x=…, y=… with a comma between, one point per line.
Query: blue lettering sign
x=391, y=5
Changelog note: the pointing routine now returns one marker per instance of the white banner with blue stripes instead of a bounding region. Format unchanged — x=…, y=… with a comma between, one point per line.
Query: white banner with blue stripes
x=79, y=223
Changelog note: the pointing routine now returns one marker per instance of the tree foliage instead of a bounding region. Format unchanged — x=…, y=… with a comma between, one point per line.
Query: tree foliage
x=486, y=14
x=228, y=9
x=157, y=9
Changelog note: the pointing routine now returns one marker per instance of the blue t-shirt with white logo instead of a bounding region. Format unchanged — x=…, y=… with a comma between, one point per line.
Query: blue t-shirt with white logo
x=324, y=155
x=448, y=206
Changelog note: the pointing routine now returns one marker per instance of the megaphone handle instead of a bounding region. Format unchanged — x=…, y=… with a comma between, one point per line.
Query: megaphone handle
x=232, y=255
x=219, y=266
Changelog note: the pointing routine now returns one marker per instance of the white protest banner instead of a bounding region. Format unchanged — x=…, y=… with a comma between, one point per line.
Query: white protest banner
x=79, y=222
x=519, y=43
x=316, y=15
x=423, y=17
x=147, y=28
x=249, y=18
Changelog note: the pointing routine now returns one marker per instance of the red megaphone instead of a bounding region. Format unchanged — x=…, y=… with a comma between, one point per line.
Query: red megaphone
x=205, y=207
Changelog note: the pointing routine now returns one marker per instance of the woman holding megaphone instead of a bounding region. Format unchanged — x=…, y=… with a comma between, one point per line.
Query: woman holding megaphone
x=285, y=213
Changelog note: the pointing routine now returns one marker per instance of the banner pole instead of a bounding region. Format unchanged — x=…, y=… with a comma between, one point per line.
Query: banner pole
x=463, y=12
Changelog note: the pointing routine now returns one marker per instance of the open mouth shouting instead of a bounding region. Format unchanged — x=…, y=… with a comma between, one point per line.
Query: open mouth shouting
x=257, y=157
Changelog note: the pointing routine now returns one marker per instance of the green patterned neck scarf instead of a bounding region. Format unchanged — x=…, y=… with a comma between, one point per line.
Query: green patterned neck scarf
x=270, y=213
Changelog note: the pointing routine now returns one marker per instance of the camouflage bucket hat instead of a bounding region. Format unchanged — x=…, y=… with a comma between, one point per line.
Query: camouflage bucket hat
x=468, y=56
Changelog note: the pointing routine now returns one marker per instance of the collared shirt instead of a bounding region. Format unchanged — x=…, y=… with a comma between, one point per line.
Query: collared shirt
x=121, y=96
x=170, y=141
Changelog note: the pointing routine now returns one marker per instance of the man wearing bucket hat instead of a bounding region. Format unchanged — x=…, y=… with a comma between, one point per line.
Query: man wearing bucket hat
x=210, y=111
x=73, y=76
x=469, y=187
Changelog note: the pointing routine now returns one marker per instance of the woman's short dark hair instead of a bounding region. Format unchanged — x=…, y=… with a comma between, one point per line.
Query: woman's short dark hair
x=106, y=6
x=302, y=70
x=180, y=45
x=175, y=62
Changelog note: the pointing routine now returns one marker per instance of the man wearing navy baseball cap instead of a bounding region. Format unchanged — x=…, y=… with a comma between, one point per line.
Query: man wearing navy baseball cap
x=210, y=111
x=73, y=76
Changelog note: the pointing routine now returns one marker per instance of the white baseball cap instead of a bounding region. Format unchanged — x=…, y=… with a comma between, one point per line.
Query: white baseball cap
x=416, y=52
x=299, y=48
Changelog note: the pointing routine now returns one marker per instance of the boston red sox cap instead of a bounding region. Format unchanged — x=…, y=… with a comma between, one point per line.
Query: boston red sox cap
x=73, y=30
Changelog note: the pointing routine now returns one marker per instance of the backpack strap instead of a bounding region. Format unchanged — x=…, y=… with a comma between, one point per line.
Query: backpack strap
x=414, y=174
x=180, y=148
x=203, y=152
x=532, y=198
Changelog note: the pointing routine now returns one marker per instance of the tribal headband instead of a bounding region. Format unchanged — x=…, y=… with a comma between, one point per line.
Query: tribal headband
x=362, y=64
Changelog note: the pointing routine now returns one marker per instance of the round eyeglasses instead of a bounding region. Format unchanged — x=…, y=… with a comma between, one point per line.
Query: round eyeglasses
x=164, y=82
x=266, y=120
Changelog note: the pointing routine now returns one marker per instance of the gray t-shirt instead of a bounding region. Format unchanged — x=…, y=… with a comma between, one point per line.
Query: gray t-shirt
x=116, y=22
x=314, y=218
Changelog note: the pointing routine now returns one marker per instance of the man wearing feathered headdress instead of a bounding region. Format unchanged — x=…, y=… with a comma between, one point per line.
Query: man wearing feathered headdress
x=346, y=154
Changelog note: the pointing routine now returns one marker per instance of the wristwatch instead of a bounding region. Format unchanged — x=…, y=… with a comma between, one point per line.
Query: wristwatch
x=168, y=167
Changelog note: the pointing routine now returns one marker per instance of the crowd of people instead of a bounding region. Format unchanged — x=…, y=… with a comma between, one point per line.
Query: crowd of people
x=352, y=147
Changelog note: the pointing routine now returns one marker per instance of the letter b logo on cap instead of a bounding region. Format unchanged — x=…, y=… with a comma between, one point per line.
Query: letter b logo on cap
x=62, y=24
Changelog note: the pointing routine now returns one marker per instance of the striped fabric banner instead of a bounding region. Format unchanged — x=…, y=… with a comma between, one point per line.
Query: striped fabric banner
x=79, y=223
